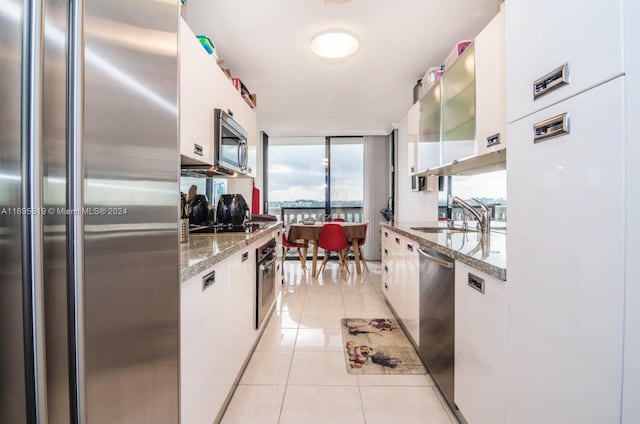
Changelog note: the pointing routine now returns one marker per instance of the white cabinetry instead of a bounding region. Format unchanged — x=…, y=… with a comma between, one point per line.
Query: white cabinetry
x=205, y=362
x=242, y=292
x=543, y=35
x=217, y=333
x=479, y=346
x=400, y=279
x=411, y=289
x=491, y=84
x=413, y=136
x=196, y=87
x=203, y=88
x=566, y=235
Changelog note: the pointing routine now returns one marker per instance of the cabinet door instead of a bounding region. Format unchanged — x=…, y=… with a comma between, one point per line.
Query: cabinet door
x=566, y=260
x=413, y=135
x=459, y=108
x=196, y=90
x=398, y=274
x=429, y=142
x=242, y=294
x=479, y=345
x=205, y=372
x=411, y=300
x=543, y=35
x=491, y=98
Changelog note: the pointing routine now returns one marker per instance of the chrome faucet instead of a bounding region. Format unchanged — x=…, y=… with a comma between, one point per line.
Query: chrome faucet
x=483, y=218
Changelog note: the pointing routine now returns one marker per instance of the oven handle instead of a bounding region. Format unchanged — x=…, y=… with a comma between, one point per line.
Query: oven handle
x=263, y=267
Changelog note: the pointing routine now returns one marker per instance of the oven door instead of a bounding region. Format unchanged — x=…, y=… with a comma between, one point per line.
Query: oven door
x=266, y=289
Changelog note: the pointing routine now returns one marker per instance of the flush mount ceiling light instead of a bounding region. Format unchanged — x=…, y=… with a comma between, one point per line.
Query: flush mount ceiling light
x=337, y=1
x=334, y=45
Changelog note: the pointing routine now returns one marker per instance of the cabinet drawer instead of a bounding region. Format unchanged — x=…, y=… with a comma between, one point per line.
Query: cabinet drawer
x=546, y=34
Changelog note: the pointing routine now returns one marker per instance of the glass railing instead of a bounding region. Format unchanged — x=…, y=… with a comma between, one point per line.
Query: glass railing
x=294, y=215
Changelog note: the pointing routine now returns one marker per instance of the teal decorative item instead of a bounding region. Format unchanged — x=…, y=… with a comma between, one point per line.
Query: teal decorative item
x=206, y=43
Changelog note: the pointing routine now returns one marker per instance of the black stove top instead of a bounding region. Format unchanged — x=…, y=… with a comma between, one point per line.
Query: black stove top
x=224, y=228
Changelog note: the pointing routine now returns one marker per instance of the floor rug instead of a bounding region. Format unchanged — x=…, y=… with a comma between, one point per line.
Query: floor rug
x=378, y=346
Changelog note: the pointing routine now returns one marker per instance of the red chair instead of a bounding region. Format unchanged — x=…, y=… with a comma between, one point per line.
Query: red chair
x=337, y=220
x=286, y=245
x=332, y=239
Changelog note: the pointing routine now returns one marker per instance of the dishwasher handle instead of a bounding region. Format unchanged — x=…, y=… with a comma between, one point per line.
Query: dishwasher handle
x=435, y=259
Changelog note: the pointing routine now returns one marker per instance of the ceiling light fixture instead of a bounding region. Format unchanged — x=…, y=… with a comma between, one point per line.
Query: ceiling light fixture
x=334, y=45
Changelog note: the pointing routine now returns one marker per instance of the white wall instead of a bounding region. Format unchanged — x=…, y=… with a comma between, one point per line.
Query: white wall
x=411, y=206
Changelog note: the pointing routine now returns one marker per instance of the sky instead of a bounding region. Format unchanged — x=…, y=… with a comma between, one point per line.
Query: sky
x=297, y=172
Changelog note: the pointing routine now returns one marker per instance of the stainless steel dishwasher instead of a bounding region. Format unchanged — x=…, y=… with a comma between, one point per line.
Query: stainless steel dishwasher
x=437, y=318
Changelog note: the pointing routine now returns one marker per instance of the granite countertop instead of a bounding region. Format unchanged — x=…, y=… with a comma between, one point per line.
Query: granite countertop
x=205, y=250
x=489, y=256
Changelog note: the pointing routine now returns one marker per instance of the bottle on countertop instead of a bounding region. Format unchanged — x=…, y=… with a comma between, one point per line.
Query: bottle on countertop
x=184, y=220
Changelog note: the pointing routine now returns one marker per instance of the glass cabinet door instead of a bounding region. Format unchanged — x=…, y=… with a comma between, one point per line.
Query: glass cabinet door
x=429, y=142
x=459, y=108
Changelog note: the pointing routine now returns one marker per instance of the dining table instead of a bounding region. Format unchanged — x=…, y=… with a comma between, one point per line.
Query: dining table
x=354, y=232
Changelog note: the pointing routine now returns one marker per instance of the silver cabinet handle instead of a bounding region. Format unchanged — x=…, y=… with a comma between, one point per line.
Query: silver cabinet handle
x=198, y=150
x=266, y=266
x=551, y=81
x=552, y=127
x=75, y=202
x=439, y=261
x=208, y=280
x=398, y=240
x=32, y=145
x=409, y=247
x=475, y=282
x=245, y=256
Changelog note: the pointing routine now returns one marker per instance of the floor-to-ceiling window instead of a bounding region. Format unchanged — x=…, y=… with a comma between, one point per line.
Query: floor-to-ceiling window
x=315, y=178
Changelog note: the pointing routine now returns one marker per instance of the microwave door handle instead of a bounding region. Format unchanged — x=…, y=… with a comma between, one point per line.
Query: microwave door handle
x=245, y=155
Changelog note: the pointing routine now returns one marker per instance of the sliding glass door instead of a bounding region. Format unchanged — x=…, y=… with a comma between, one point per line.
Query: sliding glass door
x=346, y=177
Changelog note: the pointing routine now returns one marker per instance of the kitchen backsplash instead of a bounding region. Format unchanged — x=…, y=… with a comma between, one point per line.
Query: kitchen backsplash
x=490, y=188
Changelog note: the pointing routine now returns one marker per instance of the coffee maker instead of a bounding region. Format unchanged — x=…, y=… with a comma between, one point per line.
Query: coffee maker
x=232, y=209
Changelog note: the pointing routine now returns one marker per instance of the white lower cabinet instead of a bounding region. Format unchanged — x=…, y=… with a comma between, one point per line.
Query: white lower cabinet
x=205, y=371
x=401, y=279
x=217, y=333
x=242, y=289
x=479, y=346
x=411, y=293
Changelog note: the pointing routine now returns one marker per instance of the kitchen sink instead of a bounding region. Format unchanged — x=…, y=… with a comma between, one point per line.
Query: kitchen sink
x=444, y=230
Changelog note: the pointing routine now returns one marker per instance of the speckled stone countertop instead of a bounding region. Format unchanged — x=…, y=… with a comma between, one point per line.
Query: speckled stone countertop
x=205, y=250
x=489, y=256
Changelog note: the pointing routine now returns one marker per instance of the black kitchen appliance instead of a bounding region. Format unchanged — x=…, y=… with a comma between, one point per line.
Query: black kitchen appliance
x=232, y=209
x=265, y=280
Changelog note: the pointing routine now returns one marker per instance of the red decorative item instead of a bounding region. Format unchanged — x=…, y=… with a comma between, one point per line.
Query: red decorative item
x=255, y=201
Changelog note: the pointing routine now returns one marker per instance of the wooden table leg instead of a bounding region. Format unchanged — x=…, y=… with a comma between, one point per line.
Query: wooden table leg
x=356, y=255
x=315, y=258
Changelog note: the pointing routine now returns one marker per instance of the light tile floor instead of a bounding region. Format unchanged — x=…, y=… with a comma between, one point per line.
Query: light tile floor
x=297, y=373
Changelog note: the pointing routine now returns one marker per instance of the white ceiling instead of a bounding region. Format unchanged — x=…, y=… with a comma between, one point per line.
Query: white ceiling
x=266, y=44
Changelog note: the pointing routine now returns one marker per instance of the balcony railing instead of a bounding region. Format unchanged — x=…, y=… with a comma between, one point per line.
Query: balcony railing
x=293, y=215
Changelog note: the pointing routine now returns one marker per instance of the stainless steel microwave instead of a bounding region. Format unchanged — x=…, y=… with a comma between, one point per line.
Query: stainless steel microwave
x=230, y=144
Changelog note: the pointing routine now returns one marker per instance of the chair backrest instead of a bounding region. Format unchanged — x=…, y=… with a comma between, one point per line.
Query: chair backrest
x=332, y=238
x=337, y=220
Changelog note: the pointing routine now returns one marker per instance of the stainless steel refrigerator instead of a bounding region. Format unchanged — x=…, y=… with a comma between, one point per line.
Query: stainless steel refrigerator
x=89, y=166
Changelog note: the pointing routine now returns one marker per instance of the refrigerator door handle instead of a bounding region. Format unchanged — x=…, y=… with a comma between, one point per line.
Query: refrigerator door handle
x=75, y=203
x=32, y=146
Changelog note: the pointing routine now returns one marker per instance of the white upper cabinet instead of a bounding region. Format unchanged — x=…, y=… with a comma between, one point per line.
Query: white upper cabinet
x=196, y=88
x=544, y=35
x=491, y=98
x=459, y=108
x=413, y=135
x=203, y=88
x=429, y=125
